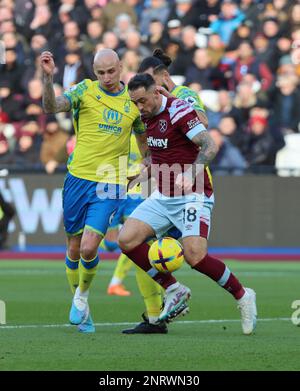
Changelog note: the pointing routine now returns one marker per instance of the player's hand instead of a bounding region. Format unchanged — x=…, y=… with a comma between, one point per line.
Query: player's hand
x=185, y=181
x=139, y=178
x=164, y=92
x=47, y=63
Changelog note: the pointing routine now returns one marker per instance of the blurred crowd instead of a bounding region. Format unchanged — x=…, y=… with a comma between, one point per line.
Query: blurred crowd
x=242, y=57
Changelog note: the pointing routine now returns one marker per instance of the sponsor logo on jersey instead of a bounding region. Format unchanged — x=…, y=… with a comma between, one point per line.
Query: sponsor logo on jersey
x=163, y=125
x=157, y=142
x=191, y=100
x=111, y=129
x=193, y=122
x=112, y=117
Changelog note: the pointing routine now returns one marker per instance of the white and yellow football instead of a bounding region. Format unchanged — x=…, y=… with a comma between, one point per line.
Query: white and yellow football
x=166, y=255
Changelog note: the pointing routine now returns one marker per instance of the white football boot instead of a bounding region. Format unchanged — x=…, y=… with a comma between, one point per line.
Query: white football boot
x=175, y=298
x=247, y=306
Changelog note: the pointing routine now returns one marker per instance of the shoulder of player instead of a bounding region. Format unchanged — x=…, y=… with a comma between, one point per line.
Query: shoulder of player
x=178, y=108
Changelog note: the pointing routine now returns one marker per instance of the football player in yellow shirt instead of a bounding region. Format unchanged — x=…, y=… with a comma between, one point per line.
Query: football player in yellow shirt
x=103, y=118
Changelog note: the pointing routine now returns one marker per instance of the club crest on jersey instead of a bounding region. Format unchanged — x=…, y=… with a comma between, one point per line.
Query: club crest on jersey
x=163, y=125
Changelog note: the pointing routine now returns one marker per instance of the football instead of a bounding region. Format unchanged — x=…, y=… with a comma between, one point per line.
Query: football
x=166, y=255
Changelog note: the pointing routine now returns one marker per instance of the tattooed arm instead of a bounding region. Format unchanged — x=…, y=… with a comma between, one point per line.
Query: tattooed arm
x=208, y=148
x=51, y=104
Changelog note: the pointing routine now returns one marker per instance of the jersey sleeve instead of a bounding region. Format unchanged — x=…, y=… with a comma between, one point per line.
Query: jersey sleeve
x=192, y=98
x=138, y=126
x=75, y=93
x=184, y=117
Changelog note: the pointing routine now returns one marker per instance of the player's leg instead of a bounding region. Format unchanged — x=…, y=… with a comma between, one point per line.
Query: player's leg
x=124, y=264
x=74, y=211
x=72, y=261
x=116, y=287
x=152, y=294
x=148, y=220
x=197, y=222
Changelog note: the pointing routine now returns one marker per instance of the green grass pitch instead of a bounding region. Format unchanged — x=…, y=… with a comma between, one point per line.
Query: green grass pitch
x=209, y=338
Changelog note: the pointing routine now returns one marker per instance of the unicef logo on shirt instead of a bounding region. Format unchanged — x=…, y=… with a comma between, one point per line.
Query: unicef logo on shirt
x=112, y=117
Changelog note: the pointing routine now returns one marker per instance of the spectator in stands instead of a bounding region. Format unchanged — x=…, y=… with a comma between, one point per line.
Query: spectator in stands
x=251, y=9
x=259, y=147
x=202, y=71
x=265, y=53
x=28, y=145
x=159, y=9
x=243, y=33
x=208, y=11
x=114, y=8
x=130, y=62
x=156, y=38
x=94, y=34
x=110, y=41
x=215, y=49
x=186, y=51
x=123, y=26
x=10, y=103
x=228, y=20
x=7, y=212
x=247, y=63
x=223, y=108
x=286, y=106
x=7, y=135
x=41, y=22
x=73, y=70
x=228, y=158
x=133, y=42
x=11, y=71
x=294, y=17
x=230, y=128
x=12, y=41
x=174, y=29
x=33, y=103
x=187, y=12
x=54, y=140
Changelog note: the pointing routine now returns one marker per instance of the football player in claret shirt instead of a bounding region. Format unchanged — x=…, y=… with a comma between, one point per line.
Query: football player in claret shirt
x=103, y=117
x=157, y=66
x=180, y=149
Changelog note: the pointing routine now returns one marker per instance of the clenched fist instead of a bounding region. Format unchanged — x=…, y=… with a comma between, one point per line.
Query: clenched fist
x=47, y=63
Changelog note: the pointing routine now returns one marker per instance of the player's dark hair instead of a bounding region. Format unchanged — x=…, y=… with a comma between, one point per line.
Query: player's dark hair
x=141, y=80
x=158, y=61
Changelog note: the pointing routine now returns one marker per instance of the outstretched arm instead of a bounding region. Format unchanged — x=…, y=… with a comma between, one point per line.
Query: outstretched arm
x=51, y=104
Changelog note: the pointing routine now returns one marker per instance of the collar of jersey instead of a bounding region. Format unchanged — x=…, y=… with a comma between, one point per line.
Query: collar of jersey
x=113, y=93
x=163, y=105
x=173, y=89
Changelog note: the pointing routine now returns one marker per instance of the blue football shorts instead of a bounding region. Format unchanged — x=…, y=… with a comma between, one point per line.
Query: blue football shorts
x=89, y=204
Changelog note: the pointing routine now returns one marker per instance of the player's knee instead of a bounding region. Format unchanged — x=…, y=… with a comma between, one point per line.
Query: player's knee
x=194, y=255
x=73, y=252
x=124, y=242
x=87, y=251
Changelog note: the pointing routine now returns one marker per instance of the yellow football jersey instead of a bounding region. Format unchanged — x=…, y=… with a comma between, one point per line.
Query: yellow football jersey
x=135, y=160
x=103, y=122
